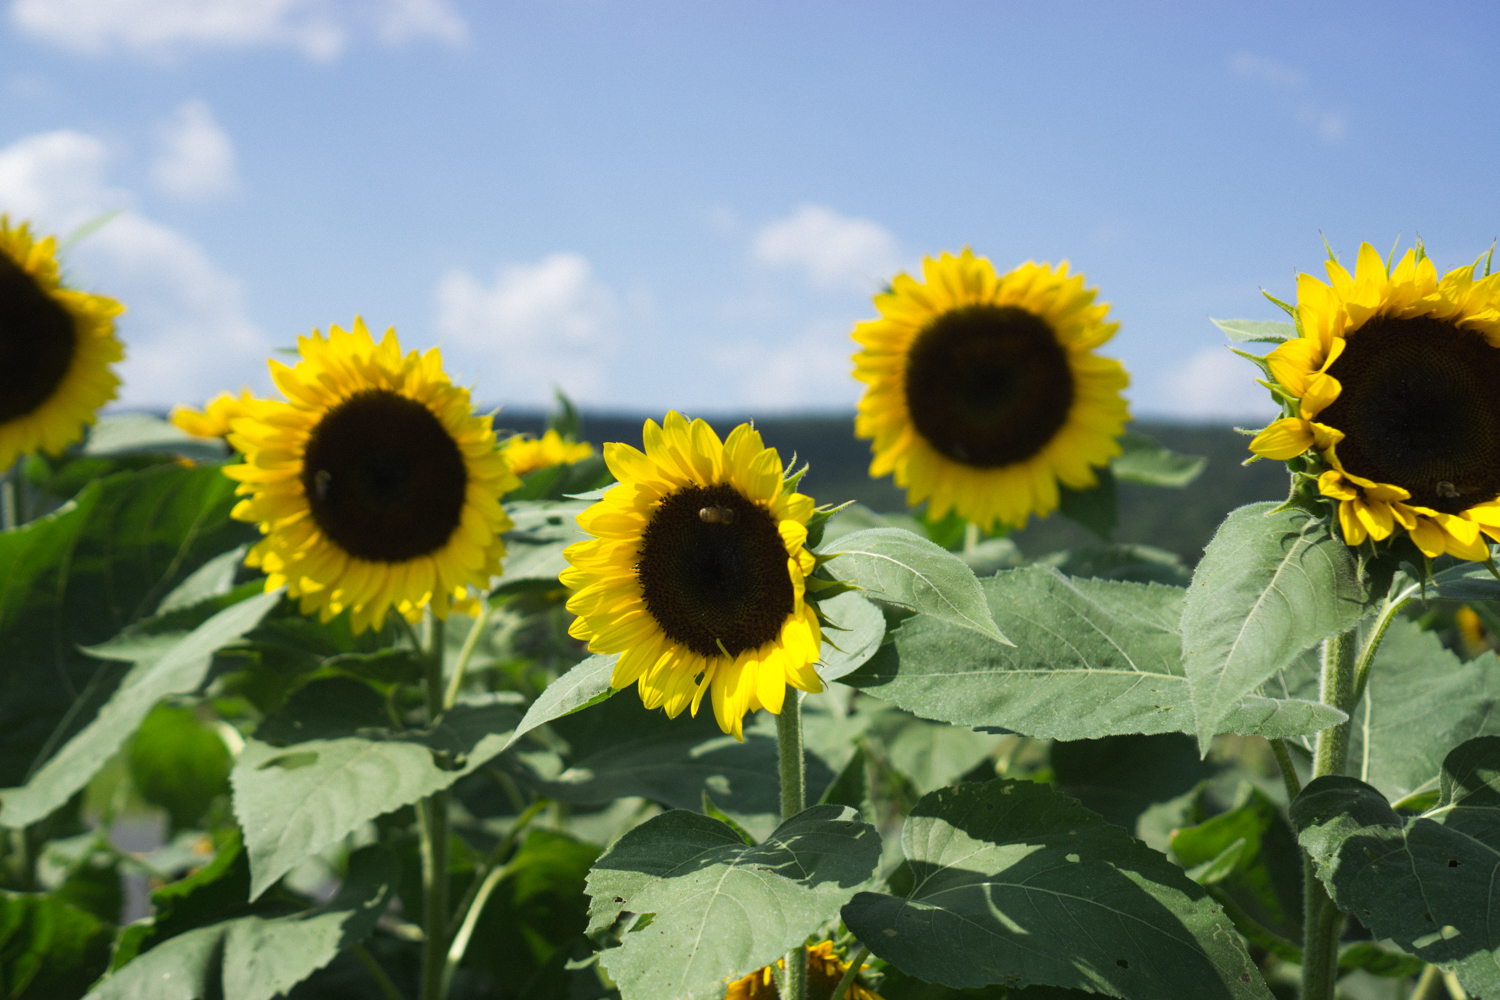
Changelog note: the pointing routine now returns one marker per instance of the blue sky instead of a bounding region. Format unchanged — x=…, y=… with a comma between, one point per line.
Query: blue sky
x=688, y=205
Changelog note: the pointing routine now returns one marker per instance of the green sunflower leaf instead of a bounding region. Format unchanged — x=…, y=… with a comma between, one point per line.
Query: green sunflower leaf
x=1005, y=874
x=861, y=630
x=1143, y=460
x=81, y=575
x=586, y=684
x=1426, y=882
x=256, y=958
x=904, y=569
x=296, y=800
x=163, y=664
x=1093, y=658
x=534, y=547
x=179, y=763
x=1255, y=331
x=51, y=948
x=1272, y=583
x=720, y=908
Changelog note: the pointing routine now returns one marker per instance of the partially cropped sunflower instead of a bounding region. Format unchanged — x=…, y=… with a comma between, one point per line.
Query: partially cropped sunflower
x=215, y=419
x=825, y=969
x=375, y=485
x=984, y=391
x=1391, y=386
x=696, y=576
x=527, y=454
x=56, y=346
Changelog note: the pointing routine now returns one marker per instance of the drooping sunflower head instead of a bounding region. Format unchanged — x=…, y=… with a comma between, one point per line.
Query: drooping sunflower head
x=984, y=391
x=825, y=970
x=527, y=454
x=56, y=346
x=374, y=483
x=1390, y=386
x=696, y=574
x=216, y=417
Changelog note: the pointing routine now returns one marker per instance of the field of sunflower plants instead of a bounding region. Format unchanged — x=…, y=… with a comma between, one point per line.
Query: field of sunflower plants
x=412, y=709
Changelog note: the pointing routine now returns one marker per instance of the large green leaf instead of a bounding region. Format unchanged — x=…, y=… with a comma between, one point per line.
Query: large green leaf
x=584, y=685
x=1143, y=460
x=79, y=576
x=1420, y=703
x=1426, y=882
x=136, y=433
x=534, y=547
x=179, y=763
x=721, y=908
x=1271, y=584
x=909, y=571
x=859, y=633
x=620, y=748
x=256, y=958
x=48, y=947
x=1093, y=658
x=163, y=664
x=293, y=801
x=1014, y=883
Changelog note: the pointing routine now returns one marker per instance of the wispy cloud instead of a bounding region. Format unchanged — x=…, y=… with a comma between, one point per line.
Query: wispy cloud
x=1213, y=384
x=187, y=331
x=1328, y=124
x=321, y=29
x=533, y=326
x=196, y=159
x=829, y=250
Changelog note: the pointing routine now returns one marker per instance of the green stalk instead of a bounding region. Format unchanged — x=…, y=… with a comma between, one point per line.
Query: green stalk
x=470, y=642
x=849, y=974
x=1388, y=611
x=1321, y=919
x=793, y=801
x=466, y=929
x=432, y=825
x=1287, y=768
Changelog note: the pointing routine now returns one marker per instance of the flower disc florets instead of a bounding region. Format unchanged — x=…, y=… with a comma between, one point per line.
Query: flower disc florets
x=1391, y=386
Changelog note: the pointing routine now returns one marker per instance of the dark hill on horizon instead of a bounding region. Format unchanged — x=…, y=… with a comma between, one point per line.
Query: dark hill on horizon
x=1180, y=521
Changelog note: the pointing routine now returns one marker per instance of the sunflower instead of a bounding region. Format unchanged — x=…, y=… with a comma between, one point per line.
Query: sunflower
x=1390, y=385
x=984, y=391
x=696, y=574
x=215, y=419
x=56, y=346
x=825, y=969
x=527, y=454
x=375, y=485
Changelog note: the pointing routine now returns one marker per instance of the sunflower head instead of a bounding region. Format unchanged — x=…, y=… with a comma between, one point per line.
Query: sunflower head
x=216, y=417
x=527, y=454
x=56, y=346
x=1389, y=394
x=696, y=574
x=374, y=483
x=825, y=970
x=983, y=390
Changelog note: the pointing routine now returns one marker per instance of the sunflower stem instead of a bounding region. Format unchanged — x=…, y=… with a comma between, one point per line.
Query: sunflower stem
x=8, y=500
x=471, y=641
x=843, y=987
x=1320, y=917
x=432, y=828
x=793, y=801
x=1388, y=612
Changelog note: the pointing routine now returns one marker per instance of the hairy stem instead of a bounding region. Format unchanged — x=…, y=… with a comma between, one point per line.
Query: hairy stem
x=1287, y=768
x=432, y=817
x=793, y=801
x=1321, y=919
x=1388, y=611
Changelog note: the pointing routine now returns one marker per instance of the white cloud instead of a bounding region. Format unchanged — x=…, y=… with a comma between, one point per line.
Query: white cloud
x=1212, y=384
x=197, y=156
x=186, y=333
x=1250, y=66
x=319, y=28
x=1330, y=126
x=831, y=250
x=810, y=373
x=535, y=325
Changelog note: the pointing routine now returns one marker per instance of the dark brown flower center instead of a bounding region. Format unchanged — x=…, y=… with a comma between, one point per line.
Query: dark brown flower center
x=988, y=386
x=1420, y=409
x=384, y=479
x=37, y=341
x=713, y=570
